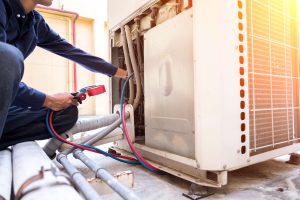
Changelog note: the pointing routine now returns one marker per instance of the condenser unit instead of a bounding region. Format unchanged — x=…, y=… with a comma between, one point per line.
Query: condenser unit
x=220, y=80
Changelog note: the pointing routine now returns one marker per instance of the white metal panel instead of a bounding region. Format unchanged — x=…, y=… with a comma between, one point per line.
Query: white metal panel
x=119, y=10
x=217, y=85
x=169, y=86
x=270, y=154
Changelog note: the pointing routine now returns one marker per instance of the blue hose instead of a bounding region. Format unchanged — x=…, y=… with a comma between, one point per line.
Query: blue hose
x=121, y=110
x=109, y=155
x=88, y=146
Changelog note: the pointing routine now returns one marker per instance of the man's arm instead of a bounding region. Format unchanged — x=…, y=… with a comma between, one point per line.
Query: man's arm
x=29, y=97
x=51, y=41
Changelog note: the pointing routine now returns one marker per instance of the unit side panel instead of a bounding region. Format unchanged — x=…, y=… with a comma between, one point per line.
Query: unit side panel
x=221, y=130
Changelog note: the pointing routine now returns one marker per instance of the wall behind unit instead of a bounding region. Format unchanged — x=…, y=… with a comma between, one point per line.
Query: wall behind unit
x=91, y=36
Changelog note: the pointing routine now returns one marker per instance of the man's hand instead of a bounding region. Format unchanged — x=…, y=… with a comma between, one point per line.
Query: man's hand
x=121, y=73
x=59, y=101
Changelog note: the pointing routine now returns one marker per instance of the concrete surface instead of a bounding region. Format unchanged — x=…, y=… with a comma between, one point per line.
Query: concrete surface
x=270, y=180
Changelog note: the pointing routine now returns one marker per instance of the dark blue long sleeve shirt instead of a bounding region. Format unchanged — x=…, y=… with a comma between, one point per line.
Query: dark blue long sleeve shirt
x=26, y=31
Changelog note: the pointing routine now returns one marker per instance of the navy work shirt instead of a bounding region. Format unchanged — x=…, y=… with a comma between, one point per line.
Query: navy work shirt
x=26, y=31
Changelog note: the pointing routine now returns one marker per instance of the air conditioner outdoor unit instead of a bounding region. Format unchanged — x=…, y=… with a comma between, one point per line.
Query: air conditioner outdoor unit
x=221, y=85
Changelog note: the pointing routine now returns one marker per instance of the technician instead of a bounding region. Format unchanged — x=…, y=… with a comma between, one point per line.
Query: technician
x=22, y=108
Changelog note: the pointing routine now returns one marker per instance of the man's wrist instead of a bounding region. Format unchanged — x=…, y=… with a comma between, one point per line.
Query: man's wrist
x=48, y=101
x=121, y=73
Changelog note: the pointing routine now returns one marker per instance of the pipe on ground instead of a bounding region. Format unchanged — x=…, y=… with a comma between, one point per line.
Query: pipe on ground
x=38, y=176
x=101, y=173
x=5, y=174
x=86, y=189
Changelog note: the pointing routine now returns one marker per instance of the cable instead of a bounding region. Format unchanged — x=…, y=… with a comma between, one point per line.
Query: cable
x=84, y=147
x=110, y=155
x=140, y=158
x=129, y=160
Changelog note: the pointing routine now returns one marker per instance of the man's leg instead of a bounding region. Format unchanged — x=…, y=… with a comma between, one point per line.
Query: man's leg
x=26, y=125
x=11, y=72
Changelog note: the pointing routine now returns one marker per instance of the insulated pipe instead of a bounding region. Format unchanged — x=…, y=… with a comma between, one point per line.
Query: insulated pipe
x=81, y=126
x=128, y=65
x=30, y=161
x=101, y=173
x=92, y=123
x=134, y=66
x=138, y=44
x=86, y=189
x=96, y=137
x=5, y=174
x=139, y=48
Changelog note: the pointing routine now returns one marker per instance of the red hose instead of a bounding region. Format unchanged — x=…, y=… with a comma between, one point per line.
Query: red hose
x=77, y=145
x=131, y=145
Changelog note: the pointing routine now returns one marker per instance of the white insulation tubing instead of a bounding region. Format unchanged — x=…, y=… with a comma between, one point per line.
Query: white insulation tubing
x=82, y=125
x=88, y=124
x=28, y=160
x=5, y=174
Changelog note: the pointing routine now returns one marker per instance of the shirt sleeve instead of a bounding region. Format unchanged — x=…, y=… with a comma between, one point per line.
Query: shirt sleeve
x=29, y=97
x=3, y=21
x=51, y=41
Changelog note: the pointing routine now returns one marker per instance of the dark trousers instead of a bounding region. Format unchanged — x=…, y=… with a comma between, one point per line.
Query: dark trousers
x=11, y=72
x=26, y=125
x=23, y=124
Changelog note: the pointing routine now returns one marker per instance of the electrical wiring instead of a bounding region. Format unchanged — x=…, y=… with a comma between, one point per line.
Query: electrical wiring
x=54, y=134
x=140, y=158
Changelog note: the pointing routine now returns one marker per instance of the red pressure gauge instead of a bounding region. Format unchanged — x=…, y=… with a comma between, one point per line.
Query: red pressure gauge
x=95, y=90
x=90, y=91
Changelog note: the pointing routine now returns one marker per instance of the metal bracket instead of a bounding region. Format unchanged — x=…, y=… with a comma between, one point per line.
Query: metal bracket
x=198, y=192
x=294, y=159
x=125, y=177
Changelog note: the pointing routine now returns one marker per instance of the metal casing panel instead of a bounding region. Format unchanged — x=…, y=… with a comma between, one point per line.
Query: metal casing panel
x=169, y=86
x=217, y=85
x=120, y=10
x=216, y=95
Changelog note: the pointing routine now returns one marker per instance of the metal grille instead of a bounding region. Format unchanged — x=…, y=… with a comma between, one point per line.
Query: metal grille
x=273, y=63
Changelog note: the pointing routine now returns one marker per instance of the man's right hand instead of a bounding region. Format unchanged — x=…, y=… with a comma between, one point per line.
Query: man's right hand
x=121, y=73
x=59, y=101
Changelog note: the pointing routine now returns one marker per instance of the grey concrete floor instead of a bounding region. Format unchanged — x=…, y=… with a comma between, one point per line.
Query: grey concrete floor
x=273, y=179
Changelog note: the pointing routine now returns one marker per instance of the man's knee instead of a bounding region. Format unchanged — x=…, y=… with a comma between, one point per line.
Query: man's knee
x=11, y=61
x=72, y=112
x=65, y=119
